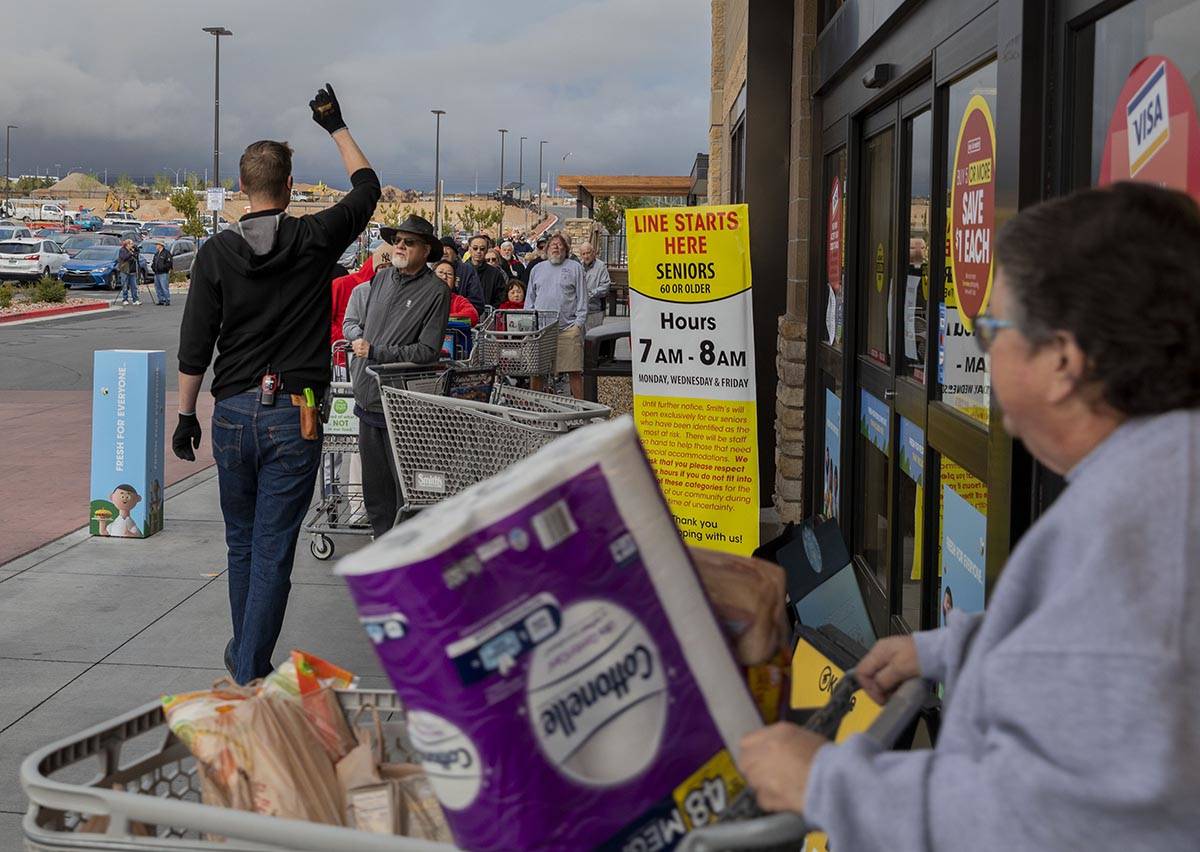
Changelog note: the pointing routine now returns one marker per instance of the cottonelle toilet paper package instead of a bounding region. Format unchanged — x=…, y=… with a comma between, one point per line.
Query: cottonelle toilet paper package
x=567, y=684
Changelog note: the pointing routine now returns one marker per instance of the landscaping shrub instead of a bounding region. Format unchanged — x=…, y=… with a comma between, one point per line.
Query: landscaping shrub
x=48, y=289
x=6, y=295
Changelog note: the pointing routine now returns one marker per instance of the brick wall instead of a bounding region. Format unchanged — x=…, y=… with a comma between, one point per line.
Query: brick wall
x=790, y=393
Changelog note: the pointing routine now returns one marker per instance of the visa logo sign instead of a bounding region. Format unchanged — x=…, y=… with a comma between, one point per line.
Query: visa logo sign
x=1148, y=120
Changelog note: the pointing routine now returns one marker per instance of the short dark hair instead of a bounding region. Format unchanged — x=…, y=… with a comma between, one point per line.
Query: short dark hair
x=487, y=241
x=1119, y=268
x=265, y=168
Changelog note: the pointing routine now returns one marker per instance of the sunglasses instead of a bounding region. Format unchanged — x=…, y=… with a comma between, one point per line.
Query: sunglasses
x=492, y=259
x=407, y=242
x=986, y=329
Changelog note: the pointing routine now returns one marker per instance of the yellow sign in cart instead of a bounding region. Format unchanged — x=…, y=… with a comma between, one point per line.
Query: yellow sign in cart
x=692, y=332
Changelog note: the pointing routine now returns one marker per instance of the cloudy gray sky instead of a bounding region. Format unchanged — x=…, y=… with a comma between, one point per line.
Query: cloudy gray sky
x=127, y=85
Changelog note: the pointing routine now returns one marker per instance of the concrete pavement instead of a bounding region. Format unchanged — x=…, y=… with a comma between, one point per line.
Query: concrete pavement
x=46, y=415
x=93, y=627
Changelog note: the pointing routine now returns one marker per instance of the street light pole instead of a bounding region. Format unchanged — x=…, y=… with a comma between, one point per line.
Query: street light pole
x=437, y=170
x=217, y=32
x=7, y=138
x=541, y=212
x=521, y=176
x=500, y=227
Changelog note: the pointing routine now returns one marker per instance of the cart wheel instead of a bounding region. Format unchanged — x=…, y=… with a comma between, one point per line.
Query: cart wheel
x=321, y=547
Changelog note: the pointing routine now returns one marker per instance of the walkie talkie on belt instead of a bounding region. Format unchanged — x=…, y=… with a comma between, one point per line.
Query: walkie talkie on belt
x=268, y=387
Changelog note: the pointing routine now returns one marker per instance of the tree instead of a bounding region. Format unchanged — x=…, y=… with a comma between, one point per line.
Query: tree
x=125, y=187
x=187, y=203
x=609, y=211
x=478, y=220
x=228, y=184
x=162, y=185
x=193, y=181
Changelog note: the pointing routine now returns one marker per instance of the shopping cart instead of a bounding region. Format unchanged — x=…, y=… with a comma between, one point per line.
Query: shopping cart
x=340, y=509
x=158, y=787
x=517, y=343
x=443, y=444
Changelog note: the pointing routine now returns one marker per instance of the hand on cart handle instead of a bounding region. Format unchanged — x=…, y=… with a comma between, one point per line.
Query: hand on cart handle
x=361, y=348
x=889, y=663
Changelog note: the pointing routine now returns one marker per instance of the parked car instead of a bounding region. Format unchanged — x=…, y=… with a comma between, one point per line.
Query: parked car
x=88, y=220
x=56, y=234
x=30, y=258
x=183, y=252
x=92, y=267
x=76, y=243
x=14, y=232
x=120, y=217
x=164, y=230
x=122, y=233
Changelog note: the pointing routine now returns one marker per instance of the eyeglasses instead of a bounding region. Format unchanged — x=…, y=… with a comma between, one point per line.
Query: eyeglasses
x=986, y=329
x=492, y=259
x=407, y=242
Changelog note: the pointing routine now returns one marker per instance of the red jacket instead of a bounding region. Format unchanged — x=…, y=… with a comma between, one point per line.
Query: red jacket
x=511, y=306
x=461, y=307
x=342, y=288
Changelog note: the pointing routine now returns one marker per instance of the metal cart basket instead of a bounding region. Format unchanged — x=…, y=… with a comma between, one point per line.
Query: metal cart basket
x=75, y=776
x=340, y=509
x=527, y=352
x=442, y=444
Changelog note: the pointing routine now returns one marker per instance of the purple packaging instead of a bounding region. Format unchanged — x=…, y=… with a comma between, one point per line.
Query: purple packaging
x=567, y=684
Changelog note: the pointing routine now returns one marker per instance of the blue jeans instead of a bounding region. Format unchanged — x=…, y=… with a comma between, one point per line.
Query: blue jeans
x=129, y=286
x=266, y=473
x=162, y=287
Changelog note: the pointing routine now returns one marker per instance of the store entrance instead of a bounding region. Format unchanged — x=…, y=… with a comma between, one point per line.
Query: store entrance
x=891, y=289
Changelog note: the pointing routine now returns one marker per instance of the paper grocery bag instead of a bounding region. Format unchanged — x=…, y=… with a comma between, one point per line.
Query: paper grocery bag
x=749, y=597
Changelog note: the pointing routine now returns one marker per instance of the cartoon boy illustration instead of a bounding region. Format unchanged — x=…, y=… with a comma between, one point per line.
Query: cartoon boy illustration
x=124, y=497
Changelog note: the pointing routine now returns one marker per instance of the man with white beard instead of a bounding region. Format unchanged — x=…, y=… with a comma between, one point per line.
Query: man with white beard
x=557, y=285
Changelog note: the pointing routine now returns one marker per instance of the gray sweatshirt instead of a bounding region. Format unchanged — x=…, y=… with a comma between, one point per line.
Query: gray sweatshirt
x=1072, y=718
x=559, y=288
x=402, y=317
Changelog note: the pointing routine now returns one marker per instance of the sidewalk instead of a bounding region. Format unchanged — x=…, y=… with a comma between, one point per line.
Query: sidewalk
x=92, y=627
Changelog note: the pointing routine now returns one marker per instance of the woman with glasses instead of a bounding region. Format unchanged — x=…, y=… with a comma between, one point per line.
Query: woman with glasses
x=1071, y=703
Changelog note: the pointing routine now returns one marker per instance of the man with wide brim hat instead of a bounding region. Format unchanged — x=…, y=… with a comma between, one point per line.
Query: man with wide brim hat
x=415, y=226
x=399, y=315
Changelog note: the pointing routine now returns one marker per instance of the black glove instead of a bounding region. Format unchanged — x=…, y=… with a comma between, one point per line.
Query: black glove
x=327, y=112
x=186, y=437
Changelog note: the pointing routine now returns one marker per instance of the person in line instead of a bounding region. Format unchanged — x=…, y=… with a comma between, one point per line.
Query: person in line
x=557, y=286
x=512, y=264
x=400, y=315
x=536, y=256
x=520, y=245
x=460, y=307
x=468, y=278
x=161, y=265
x=259, y=294
x=127, y=260
x=1071, y=703
x=597, y=281
x=494, y=281
x=516, y=296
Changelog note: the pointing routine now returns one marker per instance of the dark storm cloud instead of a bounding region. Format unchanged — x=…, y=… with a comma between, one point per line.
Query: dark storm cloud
x=127, y=86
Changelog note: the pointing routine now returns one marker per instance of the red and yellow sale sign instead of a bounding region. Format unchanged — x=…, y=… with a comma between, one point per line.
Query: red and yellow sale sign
x=973, y=210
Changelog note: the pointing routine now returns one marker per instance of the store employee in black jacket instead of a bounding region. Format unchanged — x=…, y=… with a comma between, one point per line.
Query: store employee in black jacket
x=260, y=294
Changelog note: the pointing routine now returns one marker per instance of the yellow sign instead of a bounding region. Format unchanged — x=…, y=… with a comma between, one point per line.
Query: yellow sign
x=709, y=791
x=691, y=328
x=813, y=680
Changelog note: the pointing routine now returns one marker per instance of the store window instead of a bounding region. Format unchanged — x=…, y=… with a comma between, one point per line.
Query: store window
x=872, y=481
x=831, y=462
x=910, y=518
x=962, y=539
x=916, y=277
x=1143, y=63
x=964, y=375
x=834, y=294
x=875, y=282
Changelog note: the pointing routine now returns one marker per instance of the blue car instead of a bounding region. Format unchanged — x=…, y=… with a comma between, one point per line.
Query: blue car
x=92, y=267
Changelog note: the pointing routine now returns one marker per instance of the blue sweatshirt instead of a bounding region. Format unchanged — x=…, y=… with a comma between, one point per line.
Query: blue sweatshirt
x=1072, y=718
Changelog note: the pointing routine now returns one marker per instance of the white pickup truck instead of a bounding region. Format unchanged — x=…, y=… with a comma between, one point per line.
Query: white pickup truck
x=35, y=210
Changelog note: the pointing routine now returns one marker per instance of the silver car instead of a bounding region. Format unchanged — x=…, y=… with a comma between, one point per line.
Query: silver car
x=183, y=252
